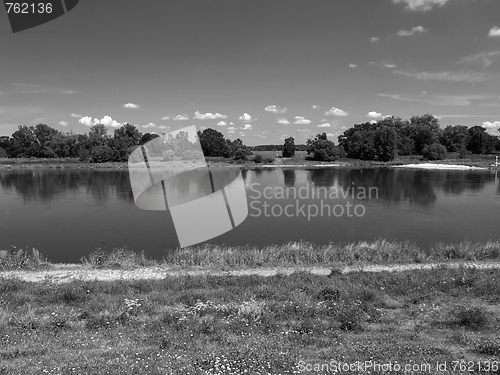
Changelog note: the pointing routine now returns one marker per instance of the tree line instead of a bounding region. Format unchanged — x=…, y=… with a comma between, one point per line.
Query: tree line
x=383, y=140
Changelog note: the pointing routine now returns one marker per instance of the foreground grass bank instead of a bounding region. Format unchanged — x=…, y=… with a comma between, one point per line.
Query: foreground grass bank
x=290, y=254
x=253, y=325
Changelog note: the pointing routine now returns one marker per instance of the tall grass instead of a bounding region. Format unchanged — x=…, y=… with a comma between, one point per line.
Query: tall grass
x=291, y=254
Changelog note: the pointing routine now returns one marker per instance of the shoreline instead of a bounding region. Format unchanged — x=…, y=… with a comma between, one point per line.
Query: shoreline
x=17, y=165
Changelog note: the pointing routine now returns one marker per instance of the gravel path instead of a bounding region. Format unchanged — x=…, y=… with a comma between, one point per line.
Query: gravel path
x=61, y=273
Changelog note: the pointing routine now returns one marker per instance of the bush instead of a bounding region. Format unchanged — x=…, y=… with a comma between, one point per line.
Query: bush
x=473, y=318
x=3, y=153
x=101, y=154
x=187, y=155
x=84, y=155
x=240, y=155
x=257, y=159
x=168, y=155
x=435, y=151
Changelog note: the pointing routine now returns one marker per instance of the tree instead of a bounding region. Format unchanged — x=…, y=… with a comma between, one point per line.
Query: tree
x=213, y=143
x=24, y=142
x=147, y=137
x=289, y=148
x=322, y=149
x=436, y=151
x=424, y=130
x=124, y=141
x=385, y=143
x=455, y=137
x=478, y=139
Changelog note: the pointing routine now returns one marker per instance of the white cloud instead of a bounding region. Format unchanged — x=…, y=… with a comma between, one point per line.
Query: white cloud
x=275, y=109
x=492, y=127
x=336, y=112
x=86, y=120
x=230, y=130
x=63, y=123
x=421, y=5
x=75, y=115
x=221, y=123
x=283, y=121
x=485, y=58
x=242, y=134
x=352, y=65
x=387, y=65
x=130, y=105
x=325, y=125
x=330, y=134
x=315, y=106
x=150, y=125
x=164, y=127
x=374, y=39
x=166, y=118
x=374, y=114
x=260, y=136
x=300, y=120
x=247, y=127
x=412, y=31
x=457, y=76
x=246, y=117
x=494, y=31
x=181, y=118
x=373, y=121
x=106, y=120
x=208, y=116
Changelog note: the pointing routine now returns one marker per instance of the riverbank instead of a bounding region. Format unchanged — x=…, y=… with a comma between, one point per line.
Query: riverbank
x=293, y=323
x=299, y=162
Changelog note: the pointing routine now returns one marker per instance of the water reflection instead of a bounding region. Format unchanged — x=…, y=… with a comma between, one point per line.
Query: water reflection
x=289, y=177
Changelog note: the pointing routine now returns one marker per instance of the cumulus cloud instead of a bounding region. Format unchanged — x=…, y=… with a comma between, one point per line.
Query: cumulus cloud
x=325, y=125
x=300, y=120
x=166, y=118
x=75, y=115
x=412, y=31
x=150, y=125
x=373, y=121
x=86, y=120
x=246, y=117
x=352, y=65
x=374, y=114
x=315, y=106
x=275, y=109
x=230, y=130
x=221, y=123
x=131, y=105
x=63, y=123
x=106, y=120
x=164, y=127
x=374, y=39
x=387, y=65
x=336, y=112
x=494, y=31
x=181, y=118
x=420, y=5
x=208, y=116
x=247, y=127
x=283, y=121
x=492, y=127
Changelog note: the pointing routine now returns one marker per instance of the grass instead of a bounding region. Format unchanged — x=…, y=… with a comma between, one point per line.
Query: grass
x=261, y=325
x=291, y=254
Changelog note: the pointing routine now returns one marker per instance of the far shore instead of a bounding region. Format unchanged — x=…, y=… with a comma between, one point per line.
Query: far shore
x=456, y=164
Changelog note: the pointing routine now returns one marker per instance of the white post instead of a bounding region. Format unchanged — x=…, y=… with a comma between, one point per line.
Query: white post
x=496, y=161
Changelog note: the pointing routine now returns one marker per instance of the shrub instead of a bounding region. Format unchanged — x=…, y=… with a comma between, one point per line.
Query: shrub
x=434, y=151
x=84, y=155
x=187, y=155
x=3, y=153
x=257, y=158
x=474, y=317
x=240, y=155
x=168, y=155
x=101, y=154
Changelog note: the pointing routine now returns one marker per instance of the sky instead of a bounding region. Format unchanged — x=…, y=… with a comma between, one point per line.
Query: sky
x=259, y=70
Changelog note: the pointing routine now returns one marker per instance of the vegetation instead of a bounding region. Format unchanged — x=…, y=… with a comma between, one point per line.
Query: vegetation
x=391, y=137
x=289, y=148
x=231, y=324
x=323, y=149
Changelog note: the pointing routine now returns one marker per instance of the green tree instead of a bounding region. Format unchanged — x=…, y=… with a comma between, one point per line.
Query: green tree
x=213, y=143
x=424, y=131
x=455, y=137
x=435, y=151
x=125, y=139
x=385, y=143
x=289, y=148
x=24, y=142
x=323, y=149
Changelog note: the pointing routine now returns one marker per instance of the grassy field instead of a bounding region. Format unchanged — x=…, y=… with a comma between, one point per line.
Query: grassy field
x=253, y=325
x=283, y=324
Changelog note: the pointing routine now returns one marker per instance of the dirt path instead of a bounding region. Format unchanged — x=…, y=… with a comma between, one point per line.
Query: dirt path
x=66, y=272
